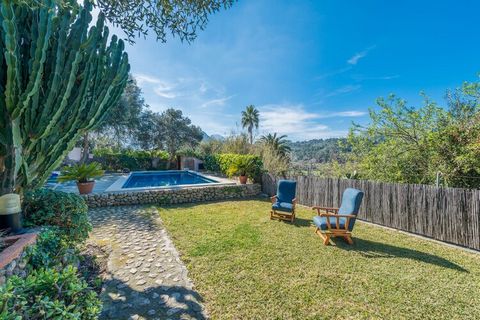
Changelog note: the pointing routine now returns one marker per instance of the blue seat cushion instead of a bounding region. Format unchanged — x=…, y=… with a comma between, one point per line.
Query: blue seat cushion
x=282, y=206
x=321, y=222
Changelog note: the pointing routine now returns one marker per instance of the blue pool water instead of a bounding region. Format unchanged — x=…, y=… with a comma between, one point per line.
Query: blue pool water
x=164, y=179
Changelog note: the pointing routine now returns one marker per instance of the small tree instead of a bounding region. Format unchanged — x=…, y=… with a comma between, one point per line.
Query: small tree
x=58, y=78
x=176, y=131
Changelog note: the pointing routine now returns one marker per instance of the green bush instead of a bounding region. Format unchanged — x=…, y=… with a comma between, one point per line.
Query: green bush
x=49, y=294
x=224, y=162
x=52, y=250
x=131, y=159
x=67, y=211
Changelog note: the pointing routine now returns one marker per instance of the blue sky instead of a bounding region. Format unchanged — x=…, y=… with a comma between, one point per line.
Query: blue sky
x=310, y=67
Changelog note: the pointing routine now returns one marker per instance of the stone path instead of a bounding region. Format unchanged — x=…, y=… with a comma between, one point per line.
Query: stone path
x=147, y=279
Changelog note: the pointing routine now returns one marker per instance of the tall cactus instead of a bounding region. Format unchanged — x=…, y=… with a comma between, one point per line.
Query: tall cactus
x=58, y=79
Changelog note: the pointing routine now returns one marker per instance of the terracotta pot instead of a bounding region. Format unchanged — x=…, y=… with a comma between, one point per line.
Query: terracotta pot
x=85, y=187
x=243, y=179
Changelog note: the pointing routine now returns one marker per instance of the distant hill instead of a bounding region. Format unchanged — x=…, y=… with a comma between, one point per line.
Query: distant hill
x=207, y=137
x=317, y=150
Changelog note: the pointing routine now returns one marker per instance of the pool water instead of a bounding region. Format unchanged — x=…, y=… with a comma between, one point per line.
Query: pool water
x=164, y=179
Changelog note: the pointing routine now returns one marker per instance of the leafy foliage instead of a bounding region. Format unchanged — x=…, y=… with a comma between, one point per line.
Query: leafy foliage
x=273, y=162
x=276, y=143
x=59, y=77
x=131, y=159
x=123, y=120
x=49, y=294
x=177, y=131
x=181, y=18
x=250, y=120
x=317, y=150
x=81, y=172
x=52, y=250
x=67, y=211
x=235, y=164
x=413, y=145
x=243, y=166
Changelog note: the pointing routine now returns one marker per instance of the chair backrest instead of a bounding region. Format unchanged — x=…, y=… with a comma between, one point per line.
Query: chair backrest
x=286, y=190
x=351, y=201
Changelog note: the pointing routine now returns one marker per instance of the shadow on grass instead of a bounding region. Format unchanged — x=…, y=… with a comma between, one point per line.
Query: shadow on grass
x=194, y=204
x=372, y=249
x=121, y=301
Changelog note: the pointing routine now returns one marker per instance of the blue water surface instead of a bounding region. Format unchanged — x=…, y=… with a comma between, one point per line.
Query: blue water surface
x=164, y=179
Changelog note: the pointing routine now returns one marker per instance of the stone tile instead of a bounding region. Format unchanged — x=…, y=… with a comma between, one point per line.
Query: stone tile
x=148, y=279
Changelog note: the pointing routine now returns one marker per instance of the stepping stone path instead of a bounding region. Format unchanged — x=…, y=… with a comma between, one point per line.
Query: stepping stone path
x=146, y=278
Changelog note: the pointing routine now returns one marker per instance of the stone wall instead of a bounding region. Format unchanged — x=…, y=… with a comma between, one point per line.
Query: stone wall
x=173, y=196
x=12, y=258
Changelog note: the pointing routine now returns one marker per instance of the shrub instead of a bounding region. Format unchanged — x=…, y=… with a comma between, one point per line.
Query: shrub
x=225, y=162
x=49, y=294
x=67, y=211
x=131, y=159
x=52, y=250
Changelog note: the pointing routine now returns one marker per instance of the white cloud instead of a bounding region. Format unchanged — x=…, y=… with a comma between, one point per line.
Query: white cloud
x=165, y=90
x=360, y=77
x=352, y=113
x=293, y=121
x=359, y=55
x=333, y=73
x=343, y=90
x=143, y=79
x=216, y=102
x=299, y=124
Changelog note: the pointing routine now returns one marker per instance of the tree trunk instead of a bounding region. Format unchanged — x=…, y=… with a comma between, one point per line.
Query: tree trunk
x=250, y=133
x=7, y=174
x=8, y=160
x=86, y=148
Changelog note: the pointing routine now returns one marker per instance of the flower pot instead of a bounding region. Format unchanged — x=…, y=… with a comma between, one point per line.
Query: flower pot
x=243, y=179
x=85, y=187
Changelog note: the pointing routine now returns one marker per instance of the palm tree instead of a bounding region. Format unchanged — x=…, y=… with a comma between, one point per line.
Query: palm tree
x=277, y=143
x=250, y=119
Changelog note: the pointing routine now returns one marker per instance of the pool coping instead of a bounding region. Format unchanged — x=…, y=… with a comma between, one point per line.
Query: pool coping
x=117, y=185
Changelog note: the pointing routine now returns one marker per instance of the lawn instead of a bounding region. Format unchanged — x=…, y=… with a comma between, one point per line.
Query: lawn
x=248, y=267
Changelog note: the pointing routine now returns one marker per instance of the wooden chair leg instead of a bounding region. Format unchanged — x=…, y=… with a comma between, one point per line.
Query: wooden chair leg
x=324, y=236
x=326, y=239
x=348, y=238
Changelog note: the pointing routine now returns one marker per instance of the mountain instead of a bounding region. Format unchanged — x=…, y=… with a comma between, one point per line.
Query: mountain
x=206, y=137
x=318, y=150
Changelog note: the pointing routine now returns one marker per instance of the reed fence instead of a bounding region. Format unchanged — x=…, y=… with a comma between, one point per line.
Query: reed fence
x=446, y=214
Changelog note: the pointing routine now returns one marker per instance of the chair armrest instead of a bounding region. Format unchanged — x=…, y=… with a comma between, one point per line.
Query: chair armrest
x=326, y=209
x=273, y=199
x=337, y=218
x=294, y=202
x=338, y=215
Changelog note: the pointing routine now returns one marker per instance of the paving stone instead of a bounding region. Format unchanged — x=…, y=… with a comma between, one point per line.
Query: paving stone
x=141, y=254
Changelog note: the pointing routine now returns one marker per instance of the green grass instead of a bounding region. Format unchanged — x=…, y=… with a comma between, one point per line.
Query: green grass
x=248, y=267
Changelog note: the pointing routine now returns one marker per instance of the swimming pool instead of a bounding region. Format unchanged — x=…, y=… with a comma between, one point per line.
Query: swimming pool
x=149, y=180
x=164, y=179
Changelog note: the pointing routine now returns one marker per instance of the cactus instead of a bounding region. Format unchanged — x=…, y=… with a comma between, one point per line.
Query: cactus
x=58, y=79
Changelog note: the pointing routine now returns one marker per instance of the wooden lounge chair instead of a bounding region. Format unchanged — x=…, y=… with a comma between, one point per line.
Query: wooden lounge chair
x=338, y=222
x=283, y=203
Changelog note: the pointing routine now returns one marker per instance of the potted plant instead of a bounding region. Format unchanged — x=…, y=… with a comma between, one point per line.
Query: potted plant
x=83, y=174
x=244, y=167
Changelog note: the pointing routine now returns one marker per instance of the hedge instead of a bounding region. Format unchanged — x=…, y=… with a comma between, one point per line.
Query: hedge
x=131, y=159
